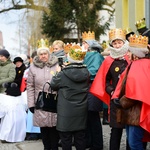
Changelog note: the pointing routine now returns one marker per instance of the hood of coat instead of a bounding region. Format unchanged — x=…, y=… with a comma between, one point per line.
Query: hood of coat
x=51, y=62
x=77, y=72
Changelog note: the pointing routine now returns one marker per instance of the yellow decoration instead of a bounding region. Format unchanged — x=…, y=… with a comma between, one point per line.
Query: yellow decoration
x=88, y=35
x=43, y=43
x=140, y=24
x=52, y=72
x=138, y=41
x=117, y=69
x=117, y=34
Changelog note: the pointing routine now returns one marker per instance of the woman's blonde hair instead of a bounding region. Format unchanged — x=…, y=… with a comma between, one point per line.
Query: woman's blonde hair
x=60, y=43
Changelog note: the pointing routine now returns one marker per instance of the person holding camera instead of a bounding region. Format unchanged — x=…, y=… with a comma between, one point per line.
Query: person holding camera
x=72, y=85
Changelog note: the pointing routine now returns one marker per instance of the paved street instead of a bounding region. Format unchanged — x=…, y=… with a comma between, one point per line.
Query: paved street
x=37, y=145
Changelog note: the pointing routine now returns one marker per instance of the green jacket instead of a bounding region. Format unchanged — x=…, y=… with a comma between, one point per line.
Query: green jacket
x=7, y=73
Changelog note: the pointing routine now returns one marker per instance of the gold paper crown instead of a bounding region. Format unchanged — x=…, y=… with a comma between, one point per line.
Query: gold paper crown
x=88, y=35
x=128, y=30
x=140, y=24
x=67, y=47
x=42, y=43
x=138, y=41
x=117, y=34
x=76, y=53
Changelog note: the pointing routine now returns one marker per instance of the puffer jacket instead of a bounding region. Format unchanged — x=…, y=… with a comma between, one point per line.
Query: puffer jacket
x=7, y=73
x=72, y=85
x=38, y=74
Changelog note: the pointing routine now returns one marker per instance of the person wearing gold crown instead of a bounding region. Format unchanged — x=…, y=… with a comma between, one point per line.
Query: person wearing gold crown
x=93, y=60
x=133, y=94
x=107, y=78
x=128, y=33
x=72, y=85
x=42, y=69
x=142, y=29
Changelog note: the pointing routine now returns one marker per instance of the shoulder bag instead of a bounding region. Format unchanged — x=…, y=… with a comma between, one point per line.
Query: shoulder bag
x=47, y=101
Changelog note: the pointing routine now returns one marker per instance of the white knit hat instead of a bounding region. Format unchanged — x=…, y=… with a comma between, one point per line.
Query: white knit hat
x=139, y=52
x=42, y=50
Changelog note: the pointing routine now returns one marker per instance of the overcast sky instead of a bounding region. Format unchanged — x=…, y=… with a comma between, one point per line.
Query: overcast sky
x=10, y=29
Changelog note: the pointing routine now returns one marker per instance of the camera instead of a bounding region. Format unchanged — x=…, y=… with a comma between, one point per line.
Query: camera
x=60, y=61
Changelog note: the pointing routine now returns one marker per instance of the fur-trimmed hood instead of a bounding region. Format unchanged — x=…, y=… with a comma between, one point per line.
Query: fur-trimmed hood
x=52, y=61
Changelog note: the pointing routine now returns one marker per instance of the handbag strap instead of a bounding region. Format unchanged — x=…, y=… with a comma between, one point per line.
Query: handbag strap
x=48, y=88
x=122, y=91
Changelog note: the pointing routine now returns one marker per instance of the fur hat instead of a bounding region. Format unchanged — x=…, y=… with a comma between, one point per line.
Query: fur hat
x=5, y=53
x=42, y=50
x=12, y=89
x=16, y=59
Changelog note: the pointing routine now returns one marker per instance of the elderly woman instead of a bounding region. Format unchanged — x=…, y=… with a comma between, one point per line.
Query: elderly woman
x=41, y=70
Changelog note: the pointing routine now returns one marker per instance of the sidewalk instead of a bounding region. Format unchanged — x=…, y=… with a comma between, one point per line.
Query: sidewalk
x=37, y=145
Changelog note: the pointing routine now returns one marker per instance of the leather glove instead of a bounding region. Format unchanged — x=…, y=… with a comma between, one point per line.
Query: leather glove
x=31, y=109
x=117, y=103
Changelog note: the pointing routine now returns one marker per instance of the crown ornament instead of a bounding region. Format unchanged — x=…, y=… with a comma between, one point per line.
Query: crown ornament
x=117, y=34
x=88, y=35
x=42, y=43
x=141, y=23
x=138, y=41
x=128, y=30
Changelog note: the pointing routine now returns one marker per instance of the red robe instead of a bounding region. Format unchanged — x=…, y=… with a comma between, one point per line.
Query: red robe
x=138, y=88
x=23, y=82
x=99, y=83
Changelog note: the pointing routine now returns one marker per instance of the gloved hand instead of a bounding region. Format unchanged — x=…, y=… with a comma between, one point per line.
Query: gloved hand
x=117, y=102
x=31, y=109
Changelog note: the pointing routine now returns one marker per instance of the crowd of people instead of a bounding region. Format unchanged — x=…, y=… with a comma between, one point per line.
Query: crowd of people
x=87, y=80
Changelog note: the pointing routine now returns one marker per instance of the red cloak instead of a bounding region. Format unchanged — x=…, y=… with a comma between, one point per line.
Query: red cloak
x=138, y=88
x=99, y=83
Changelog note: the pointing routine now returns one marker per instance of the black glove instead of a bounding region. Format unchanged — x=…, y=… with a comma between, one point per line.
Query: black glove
x=117, y=102
x=31, y=109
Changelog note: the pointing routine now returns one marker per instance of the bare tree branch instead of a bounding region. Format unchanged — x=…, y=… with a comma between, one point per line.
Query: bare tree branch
x=29, y=5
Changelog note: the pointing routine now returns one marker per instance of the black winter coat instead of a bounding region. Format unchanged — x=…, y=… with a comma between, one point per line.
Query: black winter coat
x=19, y=74
x=72, y=85
x=112, y=77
